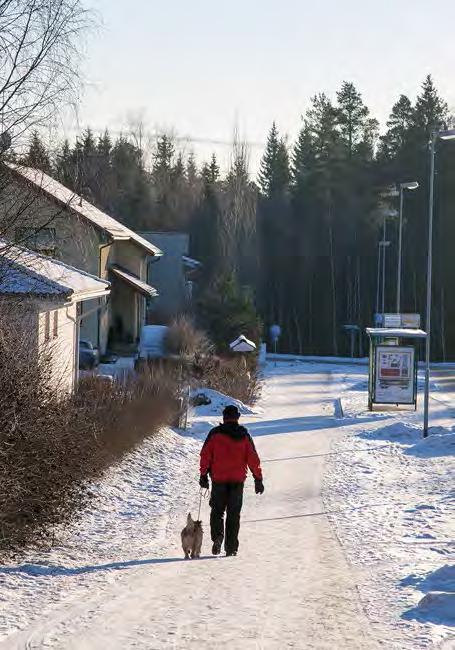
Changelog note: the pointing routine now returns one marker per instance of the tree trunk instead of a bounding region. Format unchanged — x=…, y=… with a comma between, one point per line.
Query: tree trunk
x=334, y=300
x=298, y=331
x=443, y=328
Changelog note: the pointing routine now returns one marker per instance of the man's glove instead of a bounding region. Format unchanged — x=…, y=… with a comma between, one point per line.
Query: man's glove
x=204, y=482
x=258, y=486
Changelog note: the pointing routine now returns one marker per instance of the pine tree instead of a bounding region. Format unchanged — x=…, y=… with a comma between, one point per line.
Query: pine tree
x=352, y=115
x=399, y=125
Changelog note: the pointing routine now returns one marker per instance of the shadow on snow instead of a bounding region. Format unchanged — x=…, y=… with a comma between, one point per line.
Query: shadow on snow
x=41, y=570
x=438, y=606
x=303, y=424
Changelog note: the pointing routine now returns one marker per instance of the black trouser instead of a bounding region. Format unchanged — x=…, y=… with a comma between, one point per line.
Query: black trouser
x=226, y=497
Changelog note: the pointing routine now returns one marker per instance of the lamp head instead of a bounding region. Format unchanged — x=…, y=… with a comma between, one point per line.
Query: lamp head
x=448, y=134
x=413, y=185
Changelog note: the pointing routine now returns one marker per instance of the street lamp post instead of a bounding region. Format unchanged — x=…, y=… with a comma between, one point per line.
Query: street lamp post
x=381, y=251
x=403, y=186
x=435, y=136
x=383, y=268
x=378, y=277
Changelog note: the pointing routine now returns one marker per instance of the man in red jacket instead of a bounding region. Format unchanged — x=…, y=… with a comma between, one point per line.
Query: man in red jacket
x=226, y=455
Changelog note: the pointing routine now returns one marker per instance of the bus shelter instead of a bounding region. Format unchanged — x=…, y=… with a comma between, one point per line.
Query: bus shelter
x=392, y=375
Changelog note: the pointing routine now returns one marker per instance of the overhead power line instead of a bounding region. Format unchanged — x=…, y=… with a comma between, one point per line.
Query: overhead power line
x=177, y=138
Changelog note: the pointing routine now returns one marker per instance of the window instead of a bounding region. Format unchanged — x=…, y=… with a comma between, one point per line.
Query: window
x=55, y=325
x=47, y=326
x=41, y=240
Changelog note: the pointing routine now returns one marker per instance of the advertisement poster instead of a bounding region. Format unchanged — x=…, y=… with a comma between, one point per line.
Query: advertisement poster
x=394, y=375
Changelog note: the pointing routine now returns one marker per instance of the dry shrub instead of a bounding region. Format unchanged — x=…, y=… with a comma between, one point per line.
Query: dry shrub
x=51, y=448
x=184, y=340
x=238, y=377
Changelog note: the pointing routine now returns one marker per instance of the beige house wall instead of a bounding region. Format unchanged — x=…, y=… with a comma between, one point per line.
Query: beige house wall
x=80, y=244
x=57, y=336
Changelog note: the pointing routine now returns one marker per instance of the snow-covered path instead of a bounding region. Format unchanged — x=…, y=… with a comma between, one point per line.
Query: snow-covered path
x=291, y=585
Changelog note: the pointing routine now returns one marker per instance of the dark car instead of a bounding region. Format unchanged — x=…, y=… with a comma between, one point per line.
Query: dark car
x=88, y=355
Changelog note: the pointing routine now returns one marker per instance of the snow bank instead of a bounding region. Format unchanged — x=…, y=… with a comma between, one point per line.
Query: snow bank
x=435, y=607
x=205, y=417
x=218, y=401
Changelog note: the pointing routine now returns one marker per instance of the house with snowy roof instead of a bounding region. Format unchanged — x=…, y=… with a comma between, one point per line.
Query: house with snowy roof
x=175, y=277
x=45, y=296
x=44, y=215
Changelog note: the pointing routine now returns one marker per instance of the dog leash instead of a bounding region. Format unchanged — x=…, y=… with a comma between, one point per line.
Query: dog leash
x=203, y=494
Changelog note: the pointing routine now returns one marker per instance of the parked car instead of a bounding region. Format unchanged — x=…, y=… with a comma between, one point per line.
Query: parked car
x=88, y=355
x=151, y=343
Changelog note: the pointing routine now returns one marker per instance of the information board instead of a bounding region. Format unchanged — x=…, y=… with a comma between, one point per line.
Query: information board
x=394, y=375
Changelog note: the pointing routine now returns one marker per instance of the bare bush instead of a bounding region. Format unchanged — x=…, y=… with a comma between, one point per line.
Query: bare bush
x=185, y=340
x=238, y=377
x=51, y=448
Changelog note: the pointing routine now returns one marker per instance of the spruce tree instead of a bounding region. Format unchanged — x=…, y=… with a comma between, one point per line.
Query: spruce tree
x=274, y=174
x=210, y=172
x=302, y=157
x=64, y=167
x=431, y=111
x=191, y=171
x=37, y=155
x=164, y=155
x=268, y=163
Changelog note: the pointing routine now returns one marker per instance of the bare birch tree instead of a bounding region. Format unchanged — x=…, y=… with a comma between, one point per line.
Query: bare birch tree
x=39, y=61
x=40, y=53
x=238, y=207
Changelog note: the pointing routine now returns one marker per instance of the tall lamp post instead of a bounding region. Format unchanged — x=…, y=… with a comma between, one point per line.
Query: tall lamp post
x=403, y=186
x=435, y=136
x=381, y=250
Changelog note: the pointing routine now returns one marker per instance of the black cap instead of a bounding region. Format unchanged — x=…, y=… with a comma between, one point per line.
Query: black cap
x=231, y=412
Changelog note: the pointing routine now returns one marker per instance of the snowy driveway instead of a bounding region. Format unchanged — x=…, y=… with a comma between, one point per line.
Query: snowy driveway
x=290, y=586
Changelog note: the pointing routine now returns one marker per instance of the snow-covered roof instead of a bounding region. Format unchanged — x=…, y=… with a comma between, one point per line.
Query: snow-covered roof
x=242, y=344
x=24, y=272
x=77, y=204
x=137, y=284
x=396, y=332
x=191, y=263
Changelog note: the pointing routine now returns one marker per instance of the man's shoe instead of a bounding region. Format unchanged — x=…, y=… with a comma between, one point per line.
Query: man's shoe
x=231, y=553
x=216, y=548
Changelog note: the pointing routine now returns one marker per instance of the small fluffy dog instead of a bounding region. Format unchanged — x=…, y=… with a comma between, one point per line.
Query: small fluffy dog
x=192, y=538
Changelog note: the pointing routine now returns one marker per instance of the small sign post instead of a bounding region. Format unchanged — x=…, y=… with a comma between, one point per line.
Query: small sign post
x=275, y=333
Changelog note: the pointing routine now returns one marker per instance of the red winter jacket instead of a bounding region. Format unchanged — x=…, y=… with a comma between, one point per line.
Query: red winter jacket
x=228, y=452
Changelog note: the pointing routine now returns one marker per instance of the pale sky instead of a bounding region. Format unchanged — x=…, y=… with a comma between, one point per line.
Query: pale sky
x=199, y=67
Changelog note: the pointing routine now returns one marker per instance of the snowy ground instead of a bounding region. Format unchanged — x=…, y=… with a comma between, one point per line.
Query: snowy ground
x=353, y=531
x=406, y=543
